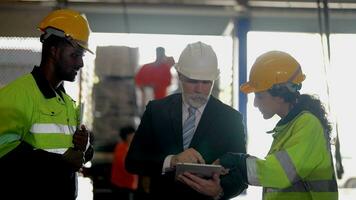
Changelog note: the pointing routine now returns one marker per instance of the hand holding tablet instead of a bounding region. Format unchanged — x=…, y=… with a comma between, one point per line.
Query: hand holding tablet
x=201, y=170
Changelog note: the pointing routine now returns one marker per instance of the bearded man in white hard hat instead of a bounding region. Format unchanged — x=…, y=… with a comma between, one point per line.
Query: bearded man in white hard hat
x=189, y=127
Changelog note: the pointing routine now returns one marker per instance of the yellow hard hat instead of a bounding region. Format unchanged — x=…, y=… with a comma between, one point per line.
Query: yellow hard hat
x=273, y=67
x=67, y=23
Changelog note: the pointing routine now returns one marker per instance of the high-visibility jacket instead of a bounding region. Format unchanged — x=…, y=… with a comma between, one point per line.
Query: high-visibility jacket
x=27, y=115
x=299, y=164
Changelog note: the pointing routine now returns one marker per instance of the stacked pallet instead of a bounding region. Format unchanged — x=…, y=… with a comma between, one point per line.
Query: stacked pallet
x=114, y=95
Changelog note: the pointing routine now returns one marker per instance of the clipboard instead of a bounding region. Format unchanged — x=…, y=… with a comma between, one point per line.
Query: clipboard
x=201, y=170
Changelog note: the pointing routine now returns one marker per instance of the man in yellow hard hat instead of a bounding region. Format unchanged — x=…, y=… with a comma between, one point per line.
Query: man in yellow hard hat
x=191, y=127
x=42, y=143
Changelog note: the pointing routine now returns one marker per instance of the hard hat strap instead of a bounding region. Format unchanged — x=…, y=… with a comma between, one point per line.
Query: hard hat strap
x=292, y=87
x=295, y=74
x=53, y=31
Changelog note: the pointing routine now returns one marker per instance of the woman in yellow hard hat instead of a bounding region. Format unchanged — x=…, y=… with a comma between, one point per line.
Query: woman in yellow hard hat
x=299, y=163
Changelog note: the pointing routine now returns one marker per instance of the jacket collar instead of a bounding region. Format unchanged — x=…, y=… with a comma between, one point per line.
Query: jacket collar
x=294, y=112
x=44, y=85
x=290, y=116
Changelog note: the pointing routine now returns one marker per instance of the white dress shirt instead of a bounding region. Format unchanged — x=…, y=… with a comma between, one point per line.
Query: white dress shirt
x=185, y=113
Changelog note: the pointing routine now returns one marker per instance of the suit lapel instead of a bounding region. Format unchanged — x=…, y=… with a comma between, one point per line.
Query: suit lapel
x=176, y=117
x=205, y=122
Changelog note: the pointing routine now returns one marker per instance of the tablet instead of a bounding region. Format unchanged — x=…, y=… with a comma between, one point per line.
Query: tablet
x=201, y=170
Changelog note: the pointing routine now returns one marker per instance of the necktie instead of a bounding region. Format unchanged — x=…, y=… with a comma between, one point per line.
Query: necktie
x=189, y=127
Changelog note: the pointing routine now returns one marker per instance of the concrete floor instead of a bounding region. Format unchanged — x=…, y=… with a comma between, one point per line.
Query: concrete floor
x=85, y=192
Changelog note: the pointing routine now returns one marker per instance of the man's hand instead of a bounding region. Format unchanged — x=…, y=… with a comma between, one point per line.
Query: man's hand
x=80, y=138
x=209, y=187
x=224, y=171
x=188, y=156
x=74, y=158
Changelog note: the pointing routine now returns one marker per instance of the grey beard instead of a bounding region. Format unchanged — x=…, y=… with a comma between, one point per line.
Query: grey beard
x=196, y=100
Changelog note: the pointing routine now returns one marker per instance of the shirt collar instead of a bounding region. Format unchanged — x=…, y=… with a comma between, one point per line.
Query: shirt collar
x=44, y=85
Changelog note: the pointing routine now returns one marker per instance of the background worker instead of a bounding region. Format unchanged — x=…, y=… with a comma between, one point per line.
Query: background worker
x=299, y=163
x=124, y=183
x=156, y=76
x=192, y=127
x=41, y=144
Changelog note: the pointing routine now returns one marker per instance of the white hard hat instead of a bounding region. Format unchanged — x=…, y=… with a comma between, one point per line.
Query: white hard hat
x=198, y=61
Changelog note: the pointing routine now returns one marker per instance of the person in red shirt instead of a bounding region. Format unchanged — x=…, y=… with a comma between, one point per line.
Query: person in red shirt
x=156, y=75
x=124, y=184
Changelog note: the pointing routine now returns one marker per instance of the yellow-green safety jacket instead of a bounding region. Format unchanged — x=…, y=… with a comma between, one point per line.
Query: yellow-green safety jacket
x=299, y=164
x=32, y=112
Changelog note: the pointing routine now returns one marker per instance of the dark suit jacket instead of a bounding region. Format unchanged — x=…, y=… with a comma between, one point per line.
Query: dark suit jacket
x=220, y=130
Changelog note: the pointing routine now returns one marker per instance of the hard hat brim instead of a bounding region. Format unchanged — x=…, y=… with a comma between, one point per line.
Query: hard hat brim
x=84, y=46
x=87, y=49
x=197, y=76
x=247, y=88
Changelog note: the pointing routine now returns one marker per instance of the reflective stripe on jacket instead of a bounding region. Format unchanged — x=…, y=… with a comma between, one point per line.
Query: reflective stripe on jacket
x=298, y=165
x=26, y=115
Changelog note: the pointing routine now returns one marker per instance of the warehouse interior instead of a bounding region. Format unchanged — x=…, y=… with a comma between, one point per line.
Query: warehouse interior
x=321, y=34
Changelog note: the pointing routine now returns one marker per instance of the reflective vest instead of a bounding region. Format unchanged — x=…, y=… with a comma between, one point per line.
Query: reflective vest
x=26, y=115
x=299, y=164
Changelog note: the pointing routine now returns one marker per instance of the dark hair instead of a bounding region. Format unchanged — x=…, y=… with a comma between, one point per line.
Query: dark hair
x=315, y=106
x=306, y=102
x=125, y=131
